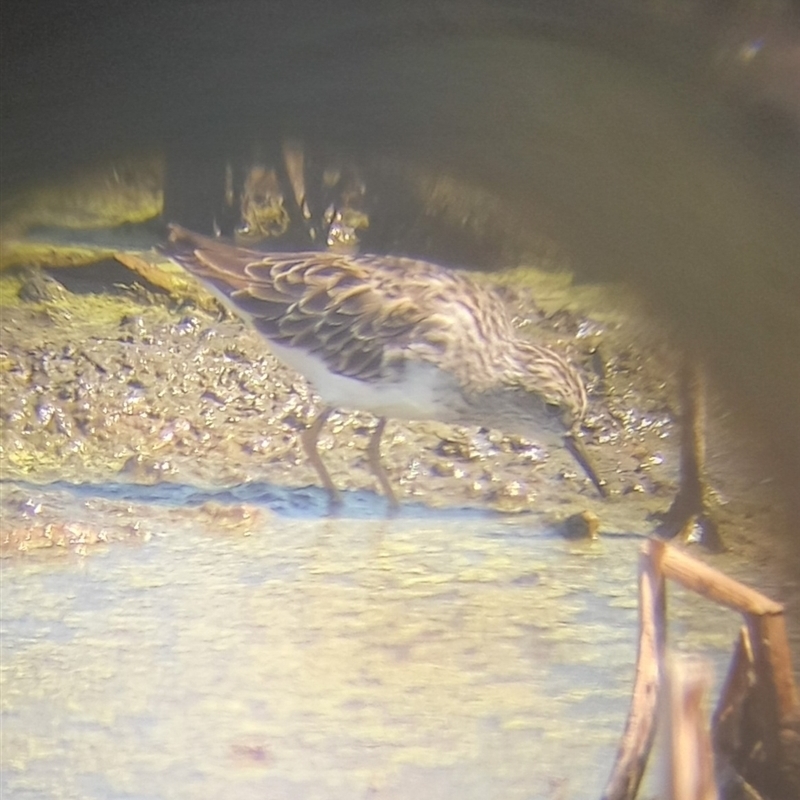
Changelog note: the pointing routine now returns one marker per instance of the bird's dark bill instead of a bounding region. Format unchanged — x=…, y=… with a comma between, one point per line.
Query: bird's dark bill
x=578, y=452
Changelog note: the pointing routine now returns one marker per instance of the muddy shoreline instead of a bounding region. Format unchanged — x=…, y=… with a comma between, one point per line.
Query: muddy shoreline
x=126, y=385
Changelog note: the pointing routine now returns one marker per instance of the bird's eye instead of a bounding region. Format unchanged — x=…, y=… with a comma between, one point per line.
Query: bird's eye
x=554, y=409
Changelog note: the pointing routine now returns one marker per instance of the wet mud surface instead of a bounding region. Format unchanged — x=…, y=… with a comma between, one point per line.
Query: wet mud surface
x=131, y=390
x=121, y=388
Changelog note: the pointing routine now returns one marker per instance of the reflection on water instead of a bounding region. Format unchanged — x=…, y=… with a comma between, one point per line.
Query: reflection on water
x=329, y=659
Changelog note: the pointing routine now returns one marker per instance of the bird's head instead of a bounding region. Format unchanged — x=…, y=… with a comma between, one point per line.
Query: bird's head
x=554, y=386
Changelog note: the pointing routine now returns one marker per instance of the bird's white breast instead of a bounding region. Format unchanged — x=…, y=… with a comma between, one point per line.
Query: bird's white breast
x=420, y=394
x=424, y=392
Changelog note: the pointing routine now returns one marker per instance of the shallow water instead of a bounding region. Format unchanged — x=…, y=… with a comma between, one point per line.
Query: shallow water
x=428, y=658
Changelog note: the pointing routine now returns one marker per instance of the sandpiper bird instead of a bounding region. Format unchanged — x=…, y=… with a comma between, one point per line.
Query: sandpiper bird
x=397, y=337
